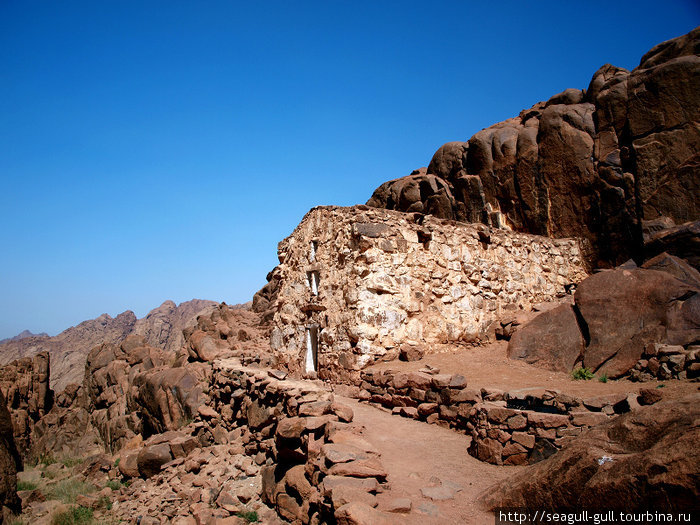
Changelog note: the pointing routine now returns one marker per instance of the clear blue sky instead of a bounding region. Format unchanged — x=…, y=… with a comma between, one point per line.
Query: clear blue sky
x=160, y=150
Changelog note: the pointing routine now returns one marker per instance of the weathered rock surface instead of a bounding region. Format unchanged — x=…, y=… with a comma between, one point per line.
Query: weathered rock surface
x=626, y=309
x=25, y=386
x=616, y=316
x=162, y=328
x=654, y=461
x=551, y=340
x=10, y=463
x=590, y=164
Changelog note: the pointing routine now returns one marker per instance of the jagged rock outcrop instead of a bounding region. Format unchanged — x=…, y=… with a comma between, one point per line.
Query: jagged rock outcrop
x=592, y=164
x=66, y=431
x=647, y=459
x=617, y=314
x=229, y=330
x=10, y=463
x=69, y=348
x=25, y=387
x=162, y=327
x=135, y=389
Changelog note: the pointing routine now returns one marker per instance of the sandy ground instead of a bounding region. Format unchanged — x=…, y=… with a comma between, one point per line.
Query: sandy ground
x=488, y=367
x=418, y=455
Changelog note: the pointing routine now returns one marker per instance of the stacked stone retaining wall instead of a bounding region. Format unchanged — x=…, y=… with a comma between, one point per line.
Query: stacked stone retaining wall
x=315, y=461
x=512, y=428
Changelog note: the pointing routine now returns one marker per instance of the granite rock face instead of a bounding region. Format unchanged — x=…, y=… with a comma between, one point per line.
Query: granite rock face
x=25, y=387
x=592, y=164
x=10, y=463
x=616, y=316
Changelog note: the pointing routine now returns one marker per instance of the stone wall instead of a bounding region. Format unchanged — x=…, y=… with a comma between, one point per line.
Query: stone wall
x=316, y=468
x=511, y=428
x=354, y=283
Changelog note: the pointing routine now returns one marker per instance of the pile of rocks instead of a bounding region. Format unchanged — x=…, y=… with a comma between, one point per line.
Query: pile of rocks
x=315, y=463
x=665, y=362
x=195, y=485
x=646, y=459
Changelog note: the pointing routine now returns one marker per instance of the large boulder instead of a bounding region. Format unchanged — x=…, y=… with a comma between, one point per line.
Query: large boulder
x=682, y=241
x=592, y=164
x=10, y=464
x=616, y=315
x=647, y=459
x=551, y=340
x=418, y=192
x=626, y=309
x=165, y=398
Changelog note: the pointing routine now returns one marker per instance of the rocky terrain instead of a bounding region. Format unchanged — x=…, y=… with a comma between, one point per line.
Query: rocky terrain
x=602, y=163
x=162, y=327
x=401, y=366
x=22, y=335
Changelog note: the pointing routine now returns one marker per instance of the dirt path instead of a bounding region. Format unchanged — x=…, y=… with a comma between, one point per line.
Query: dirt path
x=416, y=456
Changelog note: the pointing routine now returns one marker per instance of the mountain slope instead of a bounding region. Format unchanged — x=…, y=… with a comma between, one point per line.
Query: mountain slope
x=161, y=327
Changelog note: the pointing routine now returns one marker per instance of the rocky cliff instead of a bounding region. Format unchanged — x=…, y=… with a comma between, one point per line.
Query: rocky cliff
x=162, y=327
x=593, y=163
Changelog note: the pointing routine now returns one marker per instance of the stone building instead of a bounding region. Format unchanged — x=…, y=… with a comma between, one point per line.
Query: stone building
x=355, y=283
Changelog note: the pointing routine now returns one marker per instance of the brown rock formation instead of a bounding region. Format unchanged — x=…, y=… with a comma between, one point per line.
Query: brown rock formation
x=617, y=314
x=551, y=340
x=69, y=348
x=229, y=330
x=10, y=463
x=590, y=164
x=162, y=328
x=652, y=463
x=25, y=387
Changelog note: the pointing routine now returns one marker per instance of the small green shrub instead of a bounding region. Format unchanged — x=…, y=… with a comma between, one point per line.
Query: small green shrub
x=114, y=484
x=603, y=378
x=26, y=485
x=74, y=516
x=104, y=503
x=71, y=462
x=581, y=373
x=67, y=490
x=46, y=460
x=660, y=386
x=116, y=462
x=249, y=515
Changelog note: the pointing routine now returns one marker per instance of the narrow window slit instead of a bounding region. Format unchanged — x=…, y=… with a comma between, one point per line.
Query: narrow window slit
x=313, y=279
x=312, y=348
